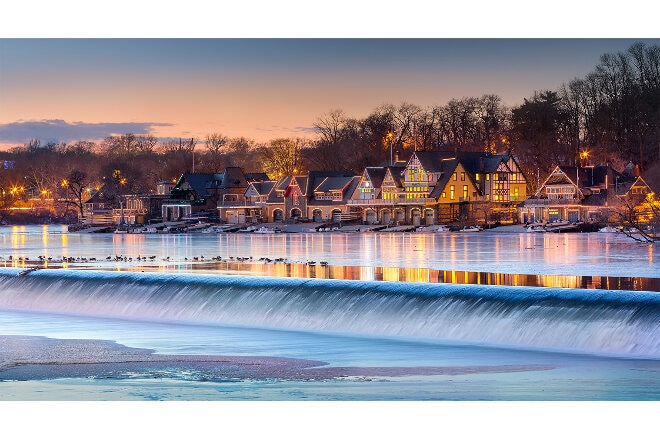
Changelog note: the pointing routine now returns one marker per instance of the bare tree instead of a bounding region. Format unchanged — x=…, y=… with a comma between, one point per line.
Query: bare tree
x=640, y=216
x=74, y=185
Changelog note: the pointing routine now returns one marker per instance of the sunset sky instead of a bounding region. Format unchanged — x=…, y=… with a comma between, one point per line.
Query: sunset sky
x=261, y=88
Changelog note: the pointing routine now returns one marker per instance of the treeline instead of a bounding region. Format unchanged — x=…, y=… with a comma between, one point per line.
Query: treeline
x=613, y=113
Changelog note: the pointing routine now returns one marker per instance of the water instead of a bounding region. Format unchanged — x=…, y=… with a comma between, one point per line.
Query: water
x=343, y=337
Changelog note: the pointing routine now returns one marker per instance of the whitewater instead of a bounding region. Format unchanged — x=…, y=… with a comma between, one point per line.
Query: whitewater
x=172, y=329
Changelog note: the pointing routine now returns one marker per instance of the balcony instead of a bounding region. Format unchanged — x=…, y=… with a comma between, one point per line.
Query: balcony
x=241, y=204
x=373, y=202
x=549, y=202
x=391, y=202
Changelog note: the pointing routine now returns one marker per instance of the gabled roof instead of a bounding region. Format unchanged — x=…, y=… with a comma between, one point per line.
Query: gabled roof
x=431, y=161
x=397, y=174
x=233, y=177
x=447, y=169
x=481, y=162
x=282, y=184
x=198, y=182
x=102, y=196
x=586, y=177
x=263, y=187
x=375, y=175
x=351, y=184
x=333, y=184
x=316, y=177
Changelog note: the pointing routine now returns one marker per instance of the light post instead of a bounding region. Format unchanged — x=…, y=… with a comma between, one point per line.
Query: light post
x=122, y=182
x=65, y=184
x=390, y=135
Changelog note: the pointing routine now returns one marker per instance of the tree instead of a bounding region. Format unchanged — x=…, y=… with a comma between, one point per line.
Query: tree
x=282, y=157
x=215, y=144
x=640, y=216
x=536, y=129
x=74, y=184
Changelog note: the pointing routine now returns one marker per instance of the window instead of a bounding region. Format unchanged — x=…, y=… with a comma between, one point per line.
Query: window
x=462, y=176
x=455, y=178
x=444, y=194
x=487, y=176
x=496, y=176
x=465, y=192
x=514, y=177
x=451, y=191
x=476, y=176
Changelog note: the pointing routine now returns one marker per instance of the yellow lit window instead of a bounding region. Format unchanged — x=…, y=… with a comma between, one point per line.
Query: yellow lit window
x=462, y=177
x=487, y=176
x=451, y=191
x=455, y=177
x=476, y=176
x=465, y=192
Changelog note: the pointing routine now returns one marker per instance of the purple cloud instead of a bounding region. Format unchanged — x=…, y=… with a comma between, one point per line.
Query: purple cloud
x=57, y=130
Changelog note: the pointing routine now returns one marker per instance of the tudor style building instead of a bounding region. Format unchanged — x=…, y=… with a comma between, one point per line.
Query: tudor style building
x=317, y=196
x=582, y=193
x=440, y=187
x=199, y=193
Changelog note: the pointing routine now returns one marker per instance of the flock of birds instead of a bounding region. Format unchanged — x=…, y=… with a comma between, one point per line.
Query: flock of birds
x=152, y=258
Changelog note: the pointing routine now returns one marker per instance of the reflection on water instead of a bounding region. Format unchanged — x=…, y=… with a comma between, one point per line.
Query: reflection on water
x=590, y=261
x=418, y=275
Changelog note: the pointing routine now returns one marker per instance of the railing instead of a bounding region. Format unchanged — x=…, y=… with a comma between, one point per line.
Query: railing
x=390, y=202
x=378, y=202
x=546, y=202
x=127, y=211
x=240, y=203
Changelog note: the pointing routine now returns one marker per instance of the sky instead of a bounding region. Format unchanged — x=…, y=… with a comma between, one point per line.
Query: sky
x=56, y=88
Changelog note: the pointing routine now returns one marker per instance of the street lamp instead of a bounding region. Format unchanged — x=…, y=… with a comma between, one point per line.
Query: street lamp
x=390, y=135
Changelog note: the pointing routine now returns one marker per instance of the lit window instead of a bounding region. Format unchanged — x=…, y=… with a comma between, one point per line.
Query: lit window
x=476, y=176
x=465, y=192
x=444, y=195
x=455, y=176
x=487, y=176
x=451, y=191
x=514, y=177
x=462, y=177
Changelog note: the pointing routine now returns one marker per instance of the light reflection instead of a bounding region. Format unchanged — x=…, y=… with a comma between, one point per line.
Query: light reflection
x=418, y=275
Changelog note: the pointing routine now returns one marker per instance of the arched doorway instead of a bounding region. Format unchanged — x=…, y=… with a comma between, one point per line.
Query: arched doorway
x=415, y=215
x=371, y=217
x=386, y=217
x=317, y=215
x=296, y=213
x=428, y=217
x=399, y=216
x=336, y=215
x=278, y=215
